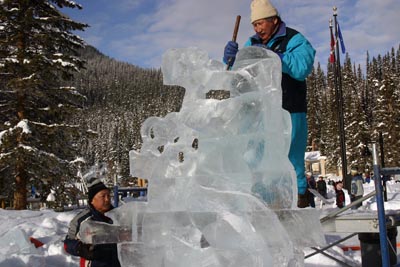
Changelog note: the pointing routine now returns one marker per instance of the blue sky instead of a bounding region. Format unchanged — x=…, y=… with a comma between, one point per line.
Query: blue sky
x=140, y=31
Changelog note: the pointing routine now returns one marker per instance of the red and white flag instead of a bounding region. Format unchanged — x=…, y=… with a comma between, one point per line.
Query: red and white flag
x=332, y=54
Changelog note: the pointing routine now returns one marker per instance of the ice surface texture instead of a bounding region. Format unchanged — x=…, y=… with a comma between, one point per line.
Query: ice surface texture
x=220, y=181
x=243, y=141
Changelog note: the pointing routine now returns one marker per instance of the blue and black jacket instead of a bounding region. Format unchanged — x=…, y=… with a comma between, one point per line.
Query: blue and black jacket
x=297, y=55
x=105, y=255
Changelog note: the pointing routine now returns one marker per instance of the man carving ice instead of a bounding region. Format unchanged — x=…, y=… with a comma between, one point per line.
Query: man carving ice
x=297, y=56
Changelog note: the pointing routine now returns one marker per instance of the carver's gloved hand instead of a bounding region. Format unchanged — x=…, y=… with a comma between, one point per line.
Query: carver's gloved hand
x=230, y=52
x=85, y=250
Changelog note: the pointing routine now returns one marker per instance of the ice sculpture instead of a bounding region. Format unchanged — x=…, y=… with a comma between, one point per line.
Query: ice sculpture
x=243, y=141
x=222, y=191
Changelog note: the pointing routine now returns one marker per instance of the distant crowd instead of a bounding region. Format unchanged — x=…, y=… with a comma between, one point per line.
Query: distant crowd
x=319, y=188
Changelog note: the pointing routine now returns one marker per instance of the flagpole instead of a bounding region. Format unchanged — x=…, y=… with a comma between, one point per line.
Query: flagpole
x=339, y=101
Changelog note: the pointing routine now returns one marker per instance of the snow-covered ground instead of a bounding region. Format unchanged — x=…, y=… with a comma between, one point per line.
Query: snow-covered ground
x=50, y=228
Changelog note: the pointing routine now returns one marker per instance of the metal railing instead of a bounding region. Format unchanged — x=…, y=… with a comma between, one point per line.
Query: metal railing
x=378, y=173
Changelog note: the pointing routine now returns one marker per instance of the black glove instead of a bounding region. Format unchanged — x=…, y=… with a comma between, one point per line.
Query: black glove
x=230, y=52
x=85, y=250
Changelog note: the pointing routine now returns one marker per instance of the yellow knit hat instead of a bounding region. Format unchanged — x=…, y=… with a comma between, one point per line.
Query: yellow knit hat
x=261, y=9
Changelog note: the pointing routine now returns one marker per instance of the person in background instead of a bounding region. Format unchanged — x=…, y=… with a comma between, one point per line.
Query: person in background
x=357, y=188
x=307, y=199
x=311, y=185
x=367, y=176
x=321, y=186
x=101, y=255
x=34, y=193
x=340, y=198
x=297, y=57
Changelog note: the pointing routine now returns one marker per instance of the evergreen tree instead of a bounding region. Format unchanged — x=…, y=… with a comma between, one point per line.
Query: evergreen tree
x=316, y=107
x=313, y=119
x=387, y=111
x=37, y=52
x=365, y=133
x=352, y=108
x=328, y=124
x=330, y=139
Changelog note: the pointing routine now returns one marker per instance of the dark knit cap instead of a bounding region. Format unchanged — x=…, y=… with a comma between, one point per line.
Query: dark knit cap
x=95, y=185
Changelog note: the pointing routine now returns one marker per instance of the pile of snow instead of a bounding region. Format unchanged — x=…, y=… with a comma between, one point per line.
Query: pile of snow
x=46, y=226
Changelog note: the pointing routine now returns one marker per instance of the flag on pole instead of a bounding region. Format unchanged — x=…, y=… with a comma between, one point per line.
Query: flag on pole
x=332, y=54
x=341, y=39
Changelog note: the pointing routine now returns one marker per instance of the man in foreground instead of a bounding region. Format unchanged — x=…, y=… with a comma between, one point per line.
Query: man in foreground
x=101, y=255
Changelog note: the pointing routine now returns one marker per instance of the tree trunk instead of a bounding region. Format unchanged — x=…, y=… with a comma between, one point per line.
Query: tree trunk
x=20, y=192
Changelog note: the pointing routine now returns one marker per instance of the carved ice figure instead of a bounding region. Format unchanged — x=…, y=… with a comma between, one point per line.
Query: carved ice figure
x=222, y=191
